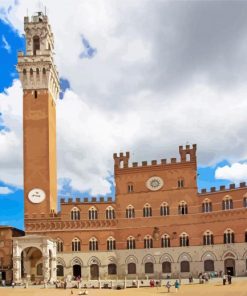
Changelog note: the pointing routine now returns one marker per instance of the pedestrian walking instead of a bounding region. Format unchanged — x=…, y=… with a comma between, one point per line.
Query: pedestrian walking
x=224, y=279
x=176, y=285
x=168, y=285
x=229, y=278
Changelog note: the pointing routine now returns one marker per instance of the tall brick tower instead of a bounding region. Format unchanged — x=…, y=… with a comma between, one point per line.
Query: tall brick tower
x=40, y=84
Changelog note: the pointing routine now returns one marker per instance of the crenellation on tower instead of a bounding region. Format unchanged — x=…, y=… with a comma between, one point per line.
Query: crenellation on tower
x=188, y=153
x=36, y=67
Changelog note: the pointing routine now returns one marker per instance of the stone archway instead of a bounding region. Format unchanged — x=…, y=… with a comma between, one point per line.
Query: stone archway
x=34, y=259
x=32, y=265
x=230, y=266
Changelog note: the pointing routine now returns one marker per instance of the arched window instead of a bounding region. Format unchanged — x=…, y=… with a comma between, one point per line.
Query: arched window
x=147, y=210
x=44, y=71
x=24, y=72
x=36, y=44
x=228, y=236
x=208, y=238
x=184, y=240
x=130, y=187
x=59, y=245
x=37, y=71
x=93, y=244
x=60, y=270
x=245, y=236
x=182, y=208
x=130, y=212
x=110, y=213
x=39, y=268
x=227, y=203
x=75, y=214
x=92, y=213
x=207, y=206
x=31, y=72
x=76, y=245
x=165, y=241
x=208, y=265
x=112, y=268
x=166, y=267
x=245, y=202
x=131, y=268
x=149, y=267
x=164, y=209
x=148, y=242
x=111, y=244
x=184, y=266
x=131, y=243
x=180, y=183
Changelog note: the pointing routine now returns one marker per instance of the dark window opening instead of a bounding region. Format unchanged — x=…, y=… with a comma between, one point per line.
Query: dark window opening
x=112, y=269
x=35, y=94
x=149, y=267
x=185, y=266
x=36, y=44
x=60, y=270
x=131, y=268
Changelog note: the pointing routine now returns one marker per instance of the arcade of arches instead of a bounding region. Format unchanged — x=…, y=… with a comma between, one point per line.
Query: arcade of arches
x=34, y=259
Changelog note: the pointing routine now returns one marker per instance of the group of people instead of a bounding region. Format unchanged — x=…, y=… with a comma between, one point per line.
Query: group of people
x=227, y=278
x=176, y=285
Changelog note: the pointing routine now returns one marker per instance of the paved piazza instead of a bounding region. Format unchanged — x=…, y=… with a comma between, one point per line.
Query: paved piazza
x=238, y=287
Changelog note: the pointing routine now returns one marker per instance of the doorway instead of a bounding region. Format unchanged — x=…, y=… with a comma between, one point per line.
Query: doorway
x=94, y=271
x=230, y=267
x=3, y=275
x=76, y=270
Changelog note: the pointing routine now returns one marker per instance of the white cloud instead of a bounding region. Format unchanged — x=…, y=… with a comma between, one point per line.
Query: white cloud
x=236, y=172
x=6, y=44
x=158, y=80
x=5, y=190
x=11, y=138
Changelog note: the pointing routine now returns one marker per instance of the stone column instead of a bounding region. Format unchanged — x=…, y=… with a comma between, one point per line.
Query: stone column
x=46, y=263
x=53, y=269
x=16, y=262
x=17, y=268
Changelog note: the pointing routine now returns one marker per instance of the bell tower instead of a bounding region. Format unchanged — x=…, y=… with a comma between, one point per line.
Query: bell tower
x=40, y=83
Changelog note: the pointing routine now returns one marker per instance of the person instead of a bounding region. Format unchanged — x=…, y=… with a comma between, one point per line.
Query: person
x=190, y=279
x=168, y=285
x=176, y=285
x=229, y=278
x=224, y=279
x=3, y=283
x=13, y=284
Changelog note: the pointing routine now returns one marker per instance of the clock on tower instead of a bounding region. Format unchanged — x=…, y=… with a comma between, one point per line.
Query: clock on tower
x=40, y=84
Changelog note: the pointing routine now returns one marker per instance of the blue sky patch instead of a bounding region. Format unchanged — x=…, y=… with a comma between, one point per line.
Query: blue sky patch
x=64, y=85
x=8, y=56
x=88, y=51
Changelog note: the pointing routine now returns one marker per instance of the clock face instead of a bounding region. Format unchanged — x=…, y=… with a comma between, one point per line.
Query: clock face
x=154, y=183
x=36, y=195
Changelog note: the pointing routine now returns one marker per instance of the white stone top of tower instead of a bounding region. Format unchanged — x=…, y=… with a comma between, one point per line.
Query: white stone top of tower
x=36, y=67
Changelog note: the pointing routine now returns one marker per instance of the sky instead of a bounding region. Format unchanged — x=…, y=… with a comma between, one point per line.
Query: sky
x=137, y=75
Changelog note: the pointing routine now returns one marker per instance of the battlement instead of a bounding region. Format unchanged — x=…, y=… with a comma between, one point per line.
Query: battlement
x=39, y=17
x=187, y=155
x=86, y=200
x=223, y=188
